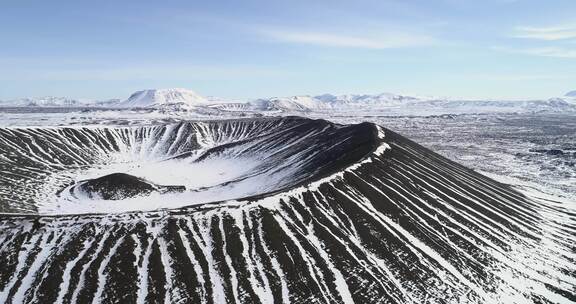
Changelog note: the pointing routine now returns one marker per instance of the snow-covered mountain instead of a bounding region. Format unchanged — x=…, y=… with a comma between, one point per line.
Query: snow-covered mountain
x=163, y=98
x=306, y=103
x=298, y=103
x=354, y=100
x=400, y=104
x=386, y=103
x=46, y=101
x=153, y=98
x=53, y=101
x=329, y=101
x=293, y=103
x=302, y=103
x=571, y=94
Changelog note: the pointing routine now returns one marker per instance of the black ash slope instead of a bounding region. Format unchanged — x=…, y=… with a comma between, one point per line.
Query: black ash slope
x=390, y=223
x=280, y=152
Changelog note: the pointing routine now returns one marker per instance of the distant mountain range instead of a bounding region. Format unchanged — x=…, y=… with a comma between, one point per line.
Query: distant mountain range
x=187, y=100
x=47, y=101
x=393, y=103
x=51, y=101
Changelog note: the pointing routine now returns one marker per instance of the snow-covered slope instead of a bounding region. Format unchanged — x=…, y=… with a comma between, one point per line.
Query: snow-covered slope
x=570, y=97
x=323, y=213
x=164, y=98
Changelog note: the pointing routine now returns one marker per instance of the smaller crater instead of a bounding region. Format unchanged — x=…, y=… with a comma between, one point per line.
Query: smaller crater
x=118, y=186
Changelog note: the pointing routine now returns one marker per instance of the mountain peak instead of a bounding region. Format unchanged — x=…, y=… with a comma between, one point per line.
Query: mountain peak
x=163, y=97
x=571, y=94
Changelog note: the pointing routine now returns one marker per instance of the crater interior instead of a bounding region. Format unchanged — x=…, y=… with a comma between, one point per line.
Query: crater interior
x=69, y=170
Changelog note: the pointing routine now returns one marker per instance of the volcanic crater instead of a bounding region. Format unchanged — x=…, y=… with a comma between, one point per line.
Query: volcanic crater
x=269, y=210
x=81, y=170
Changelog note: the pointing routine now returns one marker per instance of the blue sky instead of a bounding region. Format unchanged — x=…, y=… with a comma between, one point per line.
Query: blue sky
x=258, y=48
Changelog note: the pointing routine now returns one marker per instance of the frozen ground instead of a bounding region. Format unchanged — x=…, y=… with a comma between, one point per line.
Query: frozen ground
x=527, y=150
x=58, y=116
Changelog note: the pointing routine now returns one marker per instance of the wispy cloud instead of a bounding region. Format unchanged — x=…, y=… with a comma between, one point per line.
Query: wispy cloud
x=519, y=77
x=550, y=33
x=329, y=39
x=143, y=72
x=557, y=52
